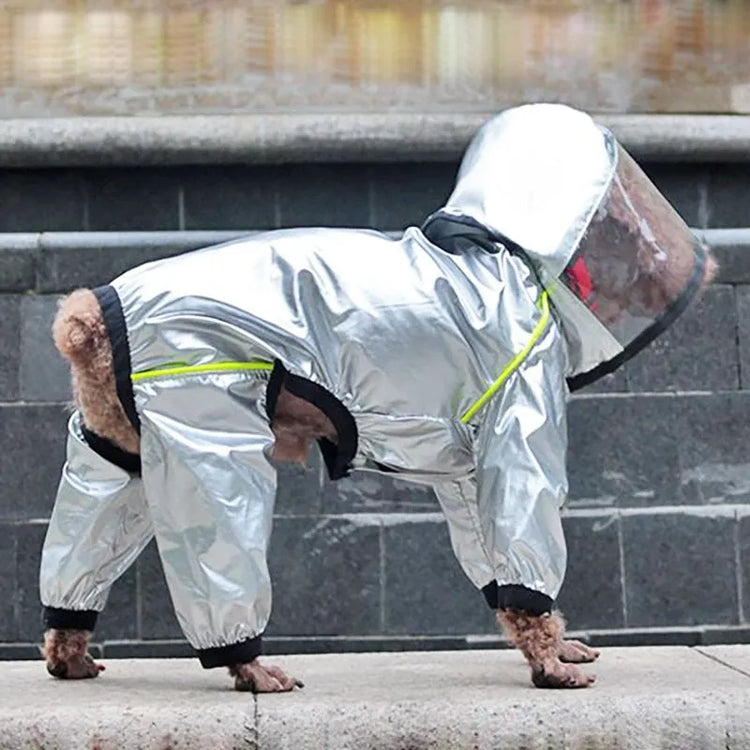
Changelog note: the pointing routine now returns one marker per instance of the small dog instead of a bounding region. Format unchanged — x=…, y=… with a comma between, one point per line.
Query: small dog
x=436, y=357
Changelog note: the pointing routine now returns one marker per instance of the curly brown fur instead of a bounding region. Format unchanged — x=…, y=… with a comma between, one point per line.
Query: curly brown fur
x=81, y=337
x=256, y=678
x=67, y=655
x=540, y=640
x=296, y=425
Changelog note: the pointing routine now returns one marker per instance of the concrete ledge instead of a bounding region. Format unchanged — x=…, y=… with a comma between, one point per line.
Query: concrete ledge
x=645, y=697
x=59, y=261
x=277, y=138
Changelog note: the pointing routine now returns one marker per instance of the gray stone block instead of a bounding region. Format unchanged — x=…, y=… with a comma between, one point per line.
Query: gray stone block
x=44, y=373
x=10, y=346
x=300, y=488
x=697, y=353
x=33, y=440
x=680, y=569
x=743, y=333
x=326, y=577
x=367, y=492
x=426, y=591
x=38, y=200
x=712, y=435
x=732, y=250
x=406, y=194
x=744, y=545
x=655, y=450
x=592, y=593
x=157, y=617
x=377, y=644
x=68, y=261
x=728, y=195
x=647, y=637
x=132, y=199
x=323, y=195
x=230, y=197
x=615, y=382
x=682, y=185
x=29, y=540
x=725, y=636
x=623, y=451
x=119, y=619
x=23, y=652
x=8, y=582
x=17, y=262
x=148, y=650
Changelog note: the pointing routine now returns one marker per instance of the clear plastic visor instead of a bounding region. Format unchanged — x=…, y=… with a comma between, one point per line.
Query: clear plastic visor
x=635, y=258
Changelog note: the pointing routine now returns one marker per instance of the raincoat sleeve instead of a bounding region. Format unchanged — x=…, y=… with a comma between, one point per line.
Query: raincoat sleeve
x=522, y=481
x=211, y=490
x=99, y=525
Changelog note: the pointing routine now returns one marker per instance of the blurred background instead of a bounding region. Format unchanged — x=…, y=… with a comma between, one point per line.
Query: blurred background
x=62, y=57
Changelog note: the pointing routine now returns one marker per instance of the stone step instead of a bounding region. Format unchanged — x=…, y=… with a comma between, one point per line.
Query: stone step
x=674, y=698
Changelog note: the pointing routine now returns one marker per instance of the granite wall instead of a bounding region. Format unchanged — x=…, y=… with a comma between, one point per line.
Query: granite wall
x=658, y=522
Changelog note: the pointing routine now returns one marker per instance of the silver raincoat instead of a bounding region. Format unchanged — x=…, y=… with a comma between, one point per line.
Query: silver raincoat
x=437, y=357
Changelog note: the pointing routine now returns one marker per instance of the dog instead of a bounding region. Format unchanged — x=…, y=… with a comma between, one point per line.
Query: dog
x=443, y=357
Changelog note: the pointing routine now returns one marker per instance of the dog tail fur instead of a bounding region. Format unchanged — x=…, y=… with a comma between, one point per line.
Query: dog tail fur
x=80, y=335
x=78, y=330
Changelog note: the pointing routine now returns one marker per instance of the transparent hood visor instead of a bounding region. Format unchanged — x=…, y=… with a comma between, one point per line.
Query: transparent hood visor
x=636, y=261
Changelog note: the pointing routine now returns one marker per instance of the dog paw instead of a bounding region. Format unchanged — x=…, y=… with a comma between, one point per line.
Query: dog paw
x=256, y=678
x=77, y=668
x=558, y=675
x=576, y=652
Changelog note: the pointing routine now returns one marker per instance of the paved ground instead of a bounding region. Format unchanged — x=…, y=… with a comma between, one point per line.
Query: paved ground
x=668, y=697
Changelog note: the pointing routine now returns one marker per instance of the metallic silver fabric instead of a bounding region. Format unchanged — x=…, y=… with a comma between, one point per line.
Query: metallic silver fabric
x=99, y=525
x=503, y=517
x=406, y=336
x=536, y=174
x=555, y=183
x=210, y=491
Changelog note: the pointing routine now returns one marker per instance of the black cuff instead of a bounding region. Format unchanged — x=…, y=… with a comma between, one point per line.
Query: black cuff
x=225, y=656
x=517, y=597
x=130, y=462
x=69, y=619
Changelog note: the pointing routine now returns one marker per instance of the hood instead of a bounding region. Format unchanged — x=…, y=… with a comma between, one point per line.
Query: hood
x=546, y=181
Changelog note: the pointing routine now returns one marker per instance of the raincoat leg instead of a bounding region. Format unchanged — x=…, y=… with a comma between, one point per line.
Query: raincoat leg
x=99, y=525
x=211, y=490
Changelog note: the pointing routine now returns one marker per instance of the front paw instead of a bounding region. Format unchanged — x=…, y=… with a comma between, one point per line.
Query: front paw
x=555, y=674
x=76, y=668
x=256, y=678
x=577, y=652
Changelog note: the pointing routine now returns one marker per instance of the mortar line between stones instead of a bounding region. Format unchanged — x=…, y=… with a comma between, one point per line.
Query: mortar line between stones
x=276, y=202
x=86, y=212
x=722, y=662
x=17, y=599
x=138, y=600
x=181, y=207
x=737, y=339
x=704, y=210
x=371, y=197
x=382, y=578
x=621, y=546
x=738, y=567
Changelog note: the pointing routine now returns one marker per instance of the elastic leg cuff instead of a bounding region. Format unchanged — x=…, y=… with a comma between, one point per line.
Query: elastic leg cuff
x=237, y=653
x=517, y=597
x=69, y=619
